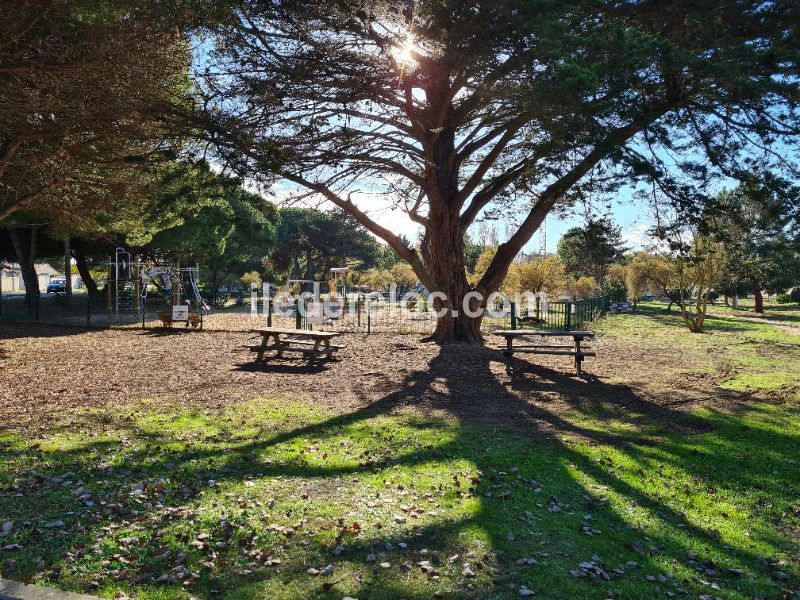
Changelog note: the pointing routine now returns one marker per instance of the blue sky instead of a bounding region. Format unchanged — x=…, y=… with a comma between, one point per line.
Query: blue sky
x=633, y=216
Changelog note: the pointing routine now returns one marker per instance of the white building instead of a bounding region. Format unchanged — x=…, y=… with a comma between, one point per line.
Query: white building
x=11, y=277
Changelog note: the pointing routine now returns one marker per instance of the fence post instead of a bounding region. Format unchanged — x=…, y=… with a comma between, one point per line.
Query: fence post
x=297, y=320
x=269, y=311
x=513, y=315
x=253, y=300
x=568, y=315
x=369, y=316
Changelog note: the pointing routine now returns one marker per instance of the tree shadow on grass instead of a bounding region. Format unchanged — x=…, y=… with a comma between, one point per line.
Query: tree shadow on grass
x=514, y=438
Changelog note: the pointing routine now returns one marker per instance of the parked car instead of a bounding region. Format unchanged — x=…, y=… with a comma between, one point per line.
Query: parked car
x=57, y=286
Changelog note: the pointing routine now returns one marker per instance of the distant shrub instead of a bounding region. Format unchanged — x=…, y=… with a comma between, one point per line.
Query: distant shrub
x=784, y=299
x=795, y=295
x=616, y=291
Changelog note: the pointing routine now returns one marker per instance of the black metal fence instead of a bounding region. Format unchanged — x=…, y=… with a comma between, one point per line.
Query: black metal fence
x=569, y=315
x=358, y=315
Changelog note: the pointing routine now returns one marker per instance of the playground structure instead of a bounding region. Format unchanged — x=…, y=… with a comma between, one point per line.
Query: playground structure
x=337, y=295
x=129, y=283
x=310, y=291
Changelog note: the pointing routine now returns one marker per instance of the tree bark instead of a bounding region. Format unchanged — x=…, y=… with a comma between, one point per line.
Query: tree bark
x=25, y=248
x=83, y=270
x=444, y=258
x=759, y=297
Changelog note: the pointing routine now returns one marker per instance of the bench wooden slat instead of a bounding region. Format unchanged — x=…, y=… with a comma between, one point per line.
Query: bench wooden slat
x=288, y=346
x=310, y=343
x=296, y=332
x=554, y=352
x=518, y=346
x=523, y=332
x=307, y=351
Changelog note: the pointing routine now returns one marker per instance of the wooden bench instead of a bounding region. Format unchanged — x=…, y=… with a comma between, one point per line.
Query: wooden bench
x=525, y=335
x=312, y=345
x=166, y=319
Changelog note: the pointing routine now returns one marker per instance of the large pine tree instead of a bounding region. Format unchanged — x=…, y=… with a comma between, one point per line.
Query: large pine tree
x=454, y=107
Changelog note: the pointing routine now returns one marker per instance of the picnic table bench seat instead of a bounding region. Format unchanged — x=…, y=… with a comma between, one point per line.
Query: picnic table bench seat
x=575, y=350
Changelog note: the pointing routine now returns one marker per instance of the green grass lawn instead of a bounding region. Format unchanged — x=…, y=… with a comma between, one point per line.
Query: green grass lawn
x=761, y=354
x=276, y=498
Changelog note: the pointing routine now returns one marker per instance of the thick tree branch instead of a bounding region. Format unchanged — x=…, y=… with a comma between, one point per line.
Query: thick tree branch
x=490, y=191
x=489, y=160
x=395, y=241
x=506, y=252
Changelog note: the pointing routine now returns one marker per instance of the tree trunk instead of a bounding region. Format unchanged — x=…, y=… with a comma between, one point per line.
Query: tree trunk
x=215, y=287
x=453, y=324
x=83, y=270
x=759, y=297
x=25, y=245
x=444, y=253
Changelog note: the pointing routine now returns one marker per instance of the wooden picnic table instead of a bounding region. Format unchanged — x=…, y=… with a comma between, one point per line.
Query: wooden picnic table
x=313, y=345
x=574, y=349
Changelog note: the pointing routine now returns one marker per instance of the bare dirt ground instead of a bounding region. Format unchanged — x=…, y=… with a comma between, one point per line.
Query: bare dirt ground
x=46, y=372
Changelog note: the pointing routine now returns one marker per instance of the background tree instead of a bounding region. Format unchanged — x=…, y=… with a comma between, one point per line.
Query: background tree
x=482, y=263
x=537, y=275
x=591, y=249
x=198, y=216
x=310, y=242
x=696, y=270
x=472, y=251
x=374, y=278
x=386, y=258
x=404, y=276
x=757, y=224
x=89, y=91
x=186, y=213
x=647, y=272
x=452, y=108
x=615, y=286
x=584, y=286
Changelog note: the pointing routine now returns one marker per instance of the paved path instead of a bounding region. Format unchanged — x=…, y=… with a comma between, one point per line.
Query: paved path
x=11, y=590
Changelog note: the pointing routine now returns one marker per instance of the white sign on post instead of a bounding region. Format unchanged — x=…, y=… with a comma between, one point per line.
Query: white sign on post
x=314, y=314
x=180, y=313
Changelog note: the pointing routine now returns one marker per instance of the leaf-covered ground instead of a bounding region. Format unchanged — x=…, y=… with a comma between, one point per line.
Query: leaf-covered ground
x=279, y=496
